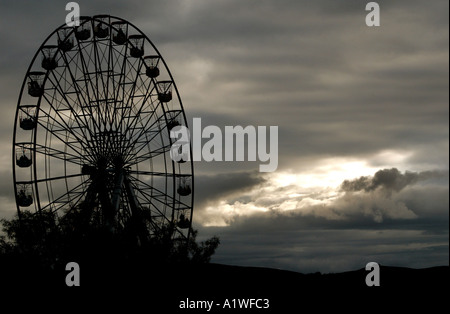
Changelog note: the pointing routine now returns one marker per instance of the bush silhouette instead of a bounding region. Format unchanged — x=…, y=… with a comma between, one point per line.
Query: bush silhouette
x=52, y=241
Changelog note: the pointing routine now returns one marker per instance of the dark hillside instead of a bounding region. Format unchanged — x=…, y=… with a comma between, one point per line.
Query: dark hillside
x=142, y=283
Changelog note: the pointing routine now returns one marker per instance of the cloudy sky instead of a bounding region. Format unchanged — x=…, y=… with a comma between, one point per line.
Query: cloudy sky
x=362, y=113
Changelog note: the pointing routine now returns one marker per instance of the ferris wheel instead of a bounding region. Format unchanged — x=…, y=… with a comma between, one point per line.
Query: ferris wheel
x=92, y=128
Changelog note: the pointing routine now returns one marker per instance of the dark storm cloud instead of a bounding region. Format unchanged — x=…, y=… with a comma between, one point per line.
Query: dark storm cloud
x=6, y=184
x=7, y=200
x=343, y=89
x=306, y=243
x=389, y=180
x=213, y=187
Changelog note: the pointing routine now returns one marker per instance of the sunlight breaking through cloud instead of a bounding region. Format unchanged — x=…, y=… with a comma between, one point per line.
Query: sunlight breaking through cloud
x=320, y=193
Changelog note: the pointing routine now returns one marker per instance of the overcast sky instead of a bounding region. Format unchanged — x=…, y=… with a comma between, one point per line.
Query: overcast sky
x=362, y=112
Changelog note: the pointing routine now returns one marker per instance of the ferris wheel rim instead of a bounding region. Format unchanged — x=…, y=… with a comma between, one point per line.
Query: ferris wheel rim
x=46, y=77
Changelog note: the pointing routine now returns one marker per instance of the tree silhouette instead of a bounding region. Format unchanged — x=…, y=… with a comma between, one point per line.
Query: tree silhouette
x=79, y=235
x=201, y=253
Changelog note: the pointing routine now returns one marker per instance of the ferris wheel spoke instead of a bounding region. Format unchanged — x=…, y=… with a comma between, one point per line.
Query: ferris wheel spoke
x=71, y=144
x=145, y=127
x=142, y=142
x=133, y=81
x=62, y=205
x=150, y=173
x=77, y=90
x=128, y=95
x=151, y=200
x=157, y=194
x=53, y=102
x=136, y=159
x=110, y=69
x=136, y=204
x=77, y=190
x=70, y=86
x=144, y=130
x=77, y=118
x=81, y=118
x=63, y=128
x=102, y=87
x=156, y=202
x=131, y=123
x=51, y=179
x=85, y=103
x=55, y=153
x=117, y=114
x=134, y=119
x=119, y=87
x=147, y=106
x=88, y=82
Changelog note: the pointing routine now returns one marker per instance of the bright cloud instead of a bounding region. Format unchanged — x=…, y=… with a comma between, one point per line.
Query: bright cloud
x=319, y=193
